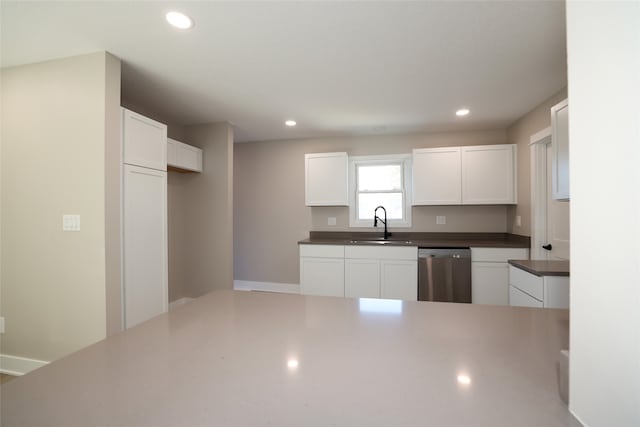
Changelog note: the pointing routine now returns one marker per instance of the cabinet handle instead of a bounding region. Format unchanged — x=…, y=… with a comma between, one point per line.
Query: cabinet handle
x=547, y=246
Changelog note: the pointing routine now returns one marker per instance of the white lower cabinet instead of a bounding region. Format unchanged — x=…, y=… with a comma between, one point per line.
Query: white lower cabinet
x=362, y=278
x=517, y=298
x=529, y=290
x=489, y=283
x=322, y=270
x=399, y=280
x=490, y=274
x=375, y=272
x=359, y=271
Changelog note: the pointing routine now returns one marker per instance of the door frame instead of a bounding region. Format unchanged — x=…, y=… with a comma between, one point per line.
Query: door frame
x=538, y=148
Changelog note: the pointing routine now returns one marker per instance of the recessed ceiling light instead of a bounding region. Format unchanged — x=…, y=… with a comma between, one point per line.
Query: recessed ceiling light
x=464, y=379
x=179, y=20
x=462, y=112
x=290, y=123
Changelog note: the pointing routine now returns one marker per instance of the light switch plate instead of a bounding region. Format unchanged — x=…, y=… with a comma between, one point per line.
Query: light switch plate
x=1, y=325
x=70, y=222
x=331, y=220
x=518, y=221
x=441, y=219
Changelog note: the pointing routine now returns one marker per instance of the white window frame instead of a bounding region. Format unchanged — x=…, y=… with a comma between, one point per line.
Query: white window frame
x=405, y=161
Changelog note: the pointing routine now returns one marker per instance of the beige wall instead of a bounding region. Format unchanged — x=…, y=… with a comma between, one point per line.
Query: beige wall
x=113, y=196
x=270, y=215
x=54, y=127
x=202, y=209
x=520, y=133
x=177, y=210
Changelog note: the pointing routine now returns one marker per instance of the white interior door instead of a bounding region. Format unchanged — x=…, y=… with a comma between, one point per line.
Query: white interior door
x=557, y=219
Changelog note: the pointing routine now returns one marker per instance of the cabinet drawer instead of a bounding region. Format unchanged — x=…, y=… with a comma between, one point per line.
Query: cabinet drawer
x=375, y=252
x=526, y=282
x=322, y=251
x=517, y=298
x=498, y=254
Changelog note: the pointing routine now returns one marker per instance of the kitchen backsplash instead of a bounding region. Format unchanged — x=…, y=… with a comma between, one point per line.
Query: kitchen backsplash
x=457, y=219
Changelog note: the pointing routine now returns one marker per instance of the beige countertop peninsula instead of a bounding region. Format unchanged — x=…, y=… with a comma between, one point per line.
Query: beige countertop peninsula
x=234, y=358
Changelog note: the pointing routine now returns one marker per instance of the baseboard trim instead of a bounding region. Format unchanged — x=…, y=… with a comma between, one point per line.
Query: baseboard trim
x=177, y=303
x=285, y=288
x=15, y=365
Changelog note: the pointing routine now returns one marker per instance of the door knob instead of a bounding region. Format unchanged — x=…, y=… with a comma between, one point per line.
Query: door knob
x=547, y=246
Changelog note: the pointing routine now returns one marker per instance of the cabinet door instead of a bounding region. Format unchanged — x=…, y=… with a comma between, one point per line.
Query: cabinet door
x=399, y=280
x=144, y=244
x=517, y=298
x=322, y=276
x=560, y=147
x=488, y=174
x=437, y=176
x=362, y=278
x=556, y=292
x=144, y=141
x=489, y=283
x=183, y=156
x=326, y=179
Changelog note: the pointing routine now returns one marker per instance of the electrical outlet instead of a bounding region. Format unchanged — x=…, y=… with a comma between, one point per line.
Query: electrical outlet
x=518, y=221
x=441, y=219
x=70, y=222
x=331, y=220
x=1, y=325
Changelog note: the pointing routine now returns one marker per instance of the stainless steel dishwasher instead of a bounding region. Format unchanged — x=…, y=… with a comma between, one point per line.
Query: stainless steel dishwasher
x=444, y=275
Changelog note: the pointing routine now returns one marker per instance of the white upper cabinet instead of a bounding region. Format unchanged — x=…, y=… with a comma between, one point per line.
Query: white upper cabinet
x=326, y=179
x=437, y=176
x=488, y=175
x=183, y=157
x=144, y=141
x=474, y=175
x=560, y=147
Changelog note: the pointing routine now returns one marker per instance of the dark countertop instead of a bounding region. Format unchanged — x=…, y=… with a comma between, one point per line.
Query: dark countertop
x=423, y=240
x=542, y=267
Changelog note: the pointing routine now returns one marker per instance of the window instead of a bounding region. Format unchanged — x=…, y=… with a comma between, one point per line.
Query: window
x=380, y=181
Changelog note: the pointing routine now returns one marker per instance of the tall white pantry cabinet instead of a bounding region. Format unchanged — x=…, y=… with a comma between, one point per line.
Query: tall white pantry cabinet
x=144, y=216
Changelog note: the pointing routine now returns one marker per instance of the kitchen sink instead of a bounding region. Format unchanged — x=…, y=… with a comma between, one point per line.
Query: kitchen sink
x=381, y=242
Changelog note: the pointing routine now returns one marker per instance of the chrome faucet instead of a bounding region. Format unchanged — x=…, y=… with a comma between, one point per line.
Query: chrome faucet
x=376, y=219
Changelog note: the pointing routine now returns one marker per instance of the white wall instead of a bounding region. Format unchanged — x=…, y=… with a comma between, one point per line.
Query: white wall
x=603, y=45
x=54, y=130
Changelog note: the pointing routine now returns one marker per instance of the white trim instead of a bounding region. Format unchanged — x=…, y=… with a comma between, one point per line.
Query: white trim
x=538, y=147
x=406, y=160
x=285, y=288
x=541, y=136
x=177, y=303
x=16, y=365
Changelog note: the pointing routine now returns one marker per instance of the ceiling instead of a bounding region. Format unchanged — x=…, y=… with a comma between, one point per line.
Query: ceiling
x=337, y=68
